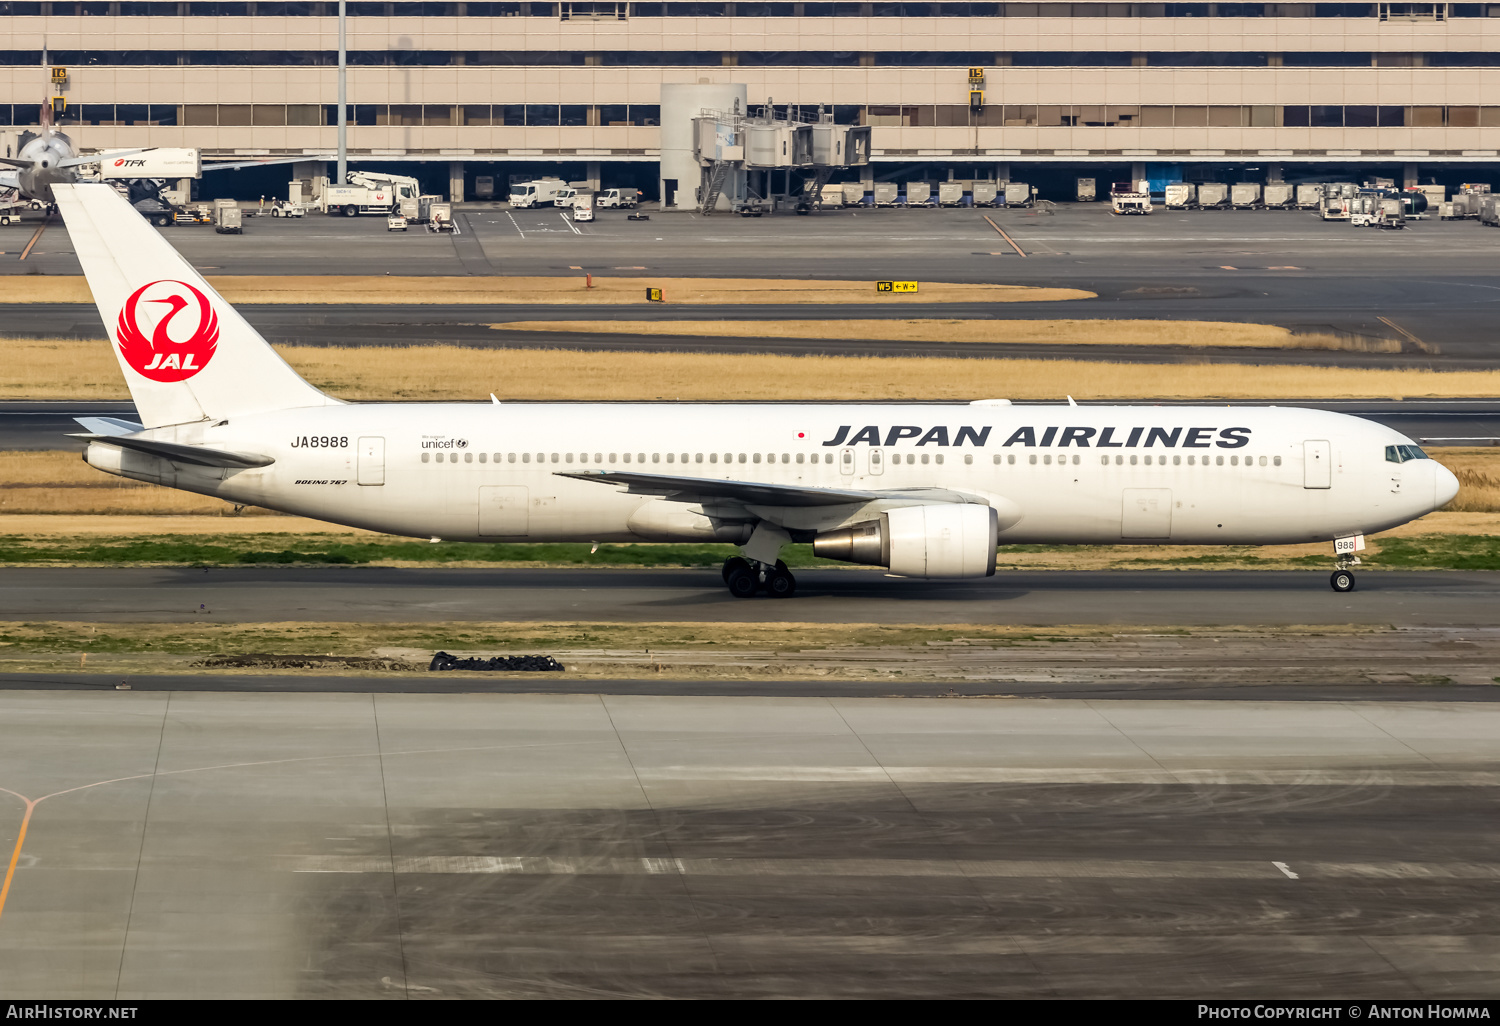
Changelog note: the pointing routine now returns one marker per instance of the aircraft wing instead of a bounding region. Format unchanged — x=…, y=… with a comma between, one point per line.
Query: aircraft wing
x=262, y=162
x=757, y=493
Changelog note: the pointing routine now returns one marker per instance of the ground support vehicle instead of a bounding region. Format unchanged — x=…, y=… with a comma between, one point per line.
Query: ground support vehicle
x=1129, y=198
x=539, y=193
x=985, y=194
x=228, y=220
x=1213, y=196
x=396, y=223
x=950, y=194
x=886, y=194
x=1278, y=196
x=1309, y=196
x=1245, y=196
x=353, y=200
x=919, y=194
x=583, y=207
x=1019, y=194
x=853, y=194
x=627, y=198
x=286, y=208
x=440, y=218
x=1180, y=195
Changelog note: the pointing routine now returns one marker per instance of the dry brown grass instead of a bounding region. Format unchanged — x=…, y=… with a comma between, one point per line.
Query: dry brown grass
x=571, y=291
x=1194, y=334
x=125, y=525
x=1478, y=473
x=71, y=369
x=59, y=482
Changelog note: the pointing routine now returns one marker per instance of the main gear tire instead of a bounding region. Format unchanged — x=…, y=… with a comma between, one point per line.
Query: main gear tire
x=1342, y=581
x=742, y=583
x=780, y=584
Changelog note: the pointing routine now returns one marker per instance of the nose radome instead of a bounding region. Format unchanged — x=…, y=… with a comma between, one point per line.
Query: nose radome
x=1444, y=486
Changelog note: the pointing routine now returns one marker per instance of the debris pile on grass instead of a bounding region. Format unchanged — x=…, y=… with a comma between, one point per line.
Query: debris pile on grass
x=444, y=661
x=273, y=661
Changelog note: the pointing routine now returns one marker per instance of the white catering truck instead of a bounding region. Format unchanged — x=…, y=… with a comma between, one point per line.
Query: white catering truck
x=540, y=193
x=351, y=200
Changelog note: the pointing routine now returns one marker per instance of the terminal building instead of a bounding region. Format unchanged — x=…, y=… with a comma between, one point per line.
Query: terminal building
x=455, y=91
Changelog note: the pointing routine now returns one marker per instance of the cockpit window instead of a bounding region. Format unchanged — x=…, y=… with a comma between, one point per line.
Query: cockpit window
x=1402, y=453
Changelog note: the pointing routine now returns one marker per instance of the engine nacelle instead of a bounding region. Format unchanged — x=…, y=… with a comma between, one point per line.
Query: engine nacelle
x=944, y=540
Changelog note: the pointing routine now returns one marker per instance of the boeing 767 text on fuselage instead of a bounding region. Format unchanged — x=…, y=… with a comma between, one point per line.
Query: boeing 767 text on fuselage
x=926, y=490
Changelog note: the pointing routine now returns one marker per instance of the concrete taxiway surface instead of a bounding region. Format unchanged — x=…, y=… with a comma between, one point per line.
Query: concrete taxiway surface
x=410, y=846
x=396, y=595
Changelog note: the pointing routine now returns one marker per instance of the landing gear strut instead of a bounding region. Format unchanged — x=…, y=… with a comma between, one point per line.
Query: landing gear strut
x=745, y=577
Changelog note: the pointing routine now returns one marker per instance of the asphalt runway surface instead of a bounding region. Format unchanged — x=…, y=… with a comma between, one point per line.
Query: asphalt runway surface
x=1431, y=287
x=46, y=424
x=419, y=846
x=1040, y=598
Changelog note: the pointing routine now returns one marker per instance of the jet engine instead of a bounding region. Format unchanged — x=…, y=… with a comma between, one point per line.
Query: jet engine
x=946, y=540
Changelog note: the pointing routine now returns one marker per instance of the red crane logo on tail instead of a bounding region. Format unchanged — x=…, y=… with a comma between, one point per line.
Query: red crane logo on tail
x=159, y=344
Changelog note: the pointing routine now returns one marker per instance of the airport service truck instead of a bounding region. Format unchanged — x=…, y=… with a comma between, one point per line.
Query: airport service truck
x=629, y=198
x=539, y=193
x=352, y=200
x=1132, y=197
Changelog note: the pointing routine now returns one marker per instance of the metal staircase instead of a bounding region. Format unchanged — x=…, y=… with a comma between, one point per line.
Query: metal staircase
x=718, y=171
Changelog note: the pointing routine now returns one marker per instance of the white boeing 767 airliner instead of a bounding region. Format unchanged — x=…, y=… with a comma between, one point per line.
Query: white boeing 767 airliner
x=926, y=490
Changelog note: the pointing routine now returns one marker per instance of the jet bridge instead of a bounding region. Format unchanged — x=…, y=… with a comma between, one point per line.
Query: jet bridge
x=747, y=151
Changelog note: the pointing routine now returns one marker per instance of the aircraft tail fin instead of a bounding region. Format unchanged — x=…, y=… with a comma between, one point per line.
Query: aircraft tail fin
x=186, y=354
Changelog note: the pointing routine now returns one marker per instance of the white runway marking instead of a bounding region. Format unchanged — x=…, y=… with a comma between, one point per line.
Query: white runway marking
x=1283, y=867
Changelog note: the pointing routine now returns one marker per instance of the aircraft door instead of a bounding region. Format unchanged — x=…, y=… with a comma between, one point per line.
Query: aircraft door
x=1147, y=513
x=1317, y=464
x=846, y=461
x=504, y=512
x=877, y=461
x=371, y=460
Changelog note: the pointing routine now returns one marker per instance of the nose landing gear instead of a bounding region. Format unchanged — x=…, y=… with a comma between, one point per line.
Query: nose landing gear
x=745, y=577
x=1344, y=561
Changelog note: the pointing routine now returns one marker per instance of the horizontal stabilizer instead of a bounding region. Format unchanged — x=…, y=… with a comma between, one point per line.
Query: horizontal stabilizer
x=179, y=453
x=756, y=493
x=109, y=426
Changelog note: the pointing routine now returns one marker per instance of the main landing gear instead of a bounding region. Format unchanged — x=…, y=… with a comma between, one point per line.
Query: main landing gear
x=745, y=577
x=1342, y=580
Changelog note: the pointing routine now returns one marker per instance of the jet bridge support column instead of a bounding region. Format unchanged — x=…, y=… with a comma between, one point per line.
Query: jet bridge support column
x=455, y=181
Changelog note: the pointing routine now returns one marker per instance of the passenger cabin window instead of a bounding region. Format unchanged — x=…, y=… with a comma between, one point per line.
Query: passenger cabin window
x=1402, y=453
